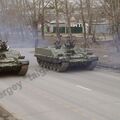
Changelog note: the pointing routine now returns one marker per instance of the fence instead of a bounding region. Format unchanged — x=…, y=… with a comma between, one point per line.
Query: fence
x=65, y=30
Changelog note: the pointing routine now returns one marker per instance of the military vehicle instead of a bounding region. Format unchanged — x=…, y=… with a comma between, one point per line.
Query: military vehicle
x=61, y=57
x=11, y=61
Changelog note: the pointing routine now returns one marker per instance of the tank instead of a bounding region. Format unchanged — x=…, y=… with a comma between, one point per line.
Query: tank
x=11, y=61
x=60, y=57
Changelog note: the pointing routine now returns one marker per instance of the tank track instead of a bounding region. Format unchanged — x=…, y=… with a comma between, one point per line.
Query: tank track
x=62, y=67
x=59, y=67
x=23, y=69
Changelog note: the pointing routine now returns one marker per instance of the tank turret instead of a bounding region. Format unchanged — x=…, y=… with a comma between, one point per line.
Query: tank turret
x=11, y=61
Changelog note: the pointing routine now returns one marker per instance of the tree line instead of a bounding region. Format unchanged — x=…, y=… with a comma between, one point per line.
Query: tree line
x=35, y=12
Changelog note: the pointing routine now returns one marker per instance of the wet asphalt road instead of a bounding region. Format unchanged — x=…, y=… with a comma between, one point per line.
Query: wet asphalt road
x=74, y=95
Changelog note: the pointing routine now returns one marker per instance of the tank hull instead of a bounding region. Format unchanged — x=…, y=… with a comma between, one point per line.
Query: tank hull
x=14, y=68
x=63, y=65
x=62, y=59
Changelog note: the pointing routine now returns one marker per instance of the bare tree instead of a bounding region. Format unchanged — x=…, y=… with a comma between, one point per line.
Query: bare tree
x=68, y=19
x=84, y=22
x=88, y=10
x=43, y=19
x=112, y=11
x=57, y=20
x=11, y=15
x=35, y=11
x=90, y=15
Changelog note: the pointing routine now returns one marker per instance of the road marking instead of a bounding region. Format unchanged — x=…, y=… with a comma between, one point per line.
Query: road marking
x=84, y=88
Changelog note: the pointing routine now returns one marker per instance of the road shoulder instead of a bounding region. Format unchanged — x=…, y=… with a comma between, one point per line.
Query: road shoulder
x=5, y=115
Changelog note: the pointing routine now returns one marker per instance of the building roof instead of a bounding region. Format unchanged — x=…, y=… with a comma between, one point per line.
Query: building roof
x=60, y=22
x=73, y=19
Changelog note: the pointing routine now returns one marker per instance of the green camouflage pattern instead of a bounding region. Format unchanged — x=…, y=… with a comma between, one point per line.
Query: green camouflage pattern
x=61, y=58
x=12, y=61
